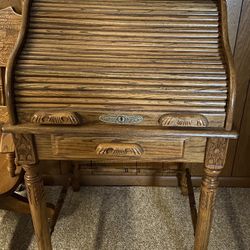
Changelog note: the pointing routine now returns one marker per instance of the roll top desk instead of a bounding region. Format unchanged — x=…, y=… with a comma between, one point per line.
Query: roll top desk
x=121, y=80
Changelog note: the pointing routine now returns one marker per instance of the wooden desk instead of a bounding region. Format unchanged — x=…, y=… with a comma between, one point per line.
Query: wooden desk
x=121, y=81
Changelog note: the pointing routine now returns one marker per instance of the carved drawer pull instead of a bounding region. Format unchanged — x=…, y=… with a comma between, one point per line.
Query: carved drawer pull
x=119, y=149
x=183, y=120
x=57, y=118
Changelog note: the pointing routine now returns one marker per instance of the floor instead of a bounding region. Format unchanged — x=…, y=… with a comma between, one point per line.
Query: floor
x=133, y=218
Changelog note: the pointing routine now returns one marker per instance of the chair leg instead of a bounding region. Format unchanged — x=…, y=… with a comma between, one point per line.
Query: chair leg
x=13, y=204
x=214, y=162
x=76, y=178
x=20, y=204
x=182, y=179
x=35, y=191
x=11, y=164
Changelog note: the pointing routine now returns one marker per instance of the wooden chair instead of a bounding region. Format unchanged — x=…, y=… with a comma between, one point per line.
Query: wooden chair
x=127, y=81
x=12, y=174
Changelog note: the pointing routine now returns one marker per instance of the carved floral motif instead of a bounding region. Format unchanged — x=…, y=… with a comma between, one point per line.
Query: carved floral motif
x=214, y=162
x=24, y=149
x=216, y=151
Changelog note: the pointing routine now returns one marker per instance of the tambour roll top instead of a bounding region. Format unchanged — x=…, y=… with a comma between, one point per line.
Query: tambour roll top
x=141, y=62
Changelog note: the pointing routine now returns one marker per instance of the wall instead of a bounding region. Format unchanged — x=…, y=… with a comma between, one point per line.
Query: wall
x=238, y=163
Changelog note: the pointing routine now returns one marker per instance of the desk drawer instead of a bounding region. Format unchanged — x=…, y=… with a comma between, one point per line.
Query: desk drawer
x=121, y=149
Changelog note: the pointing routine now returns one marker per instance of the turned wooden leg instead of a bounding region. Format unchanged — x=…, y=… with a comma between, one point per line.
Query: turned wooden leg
x=214, y=162
x=34, y=186
x=182, y=179
x=11, y=164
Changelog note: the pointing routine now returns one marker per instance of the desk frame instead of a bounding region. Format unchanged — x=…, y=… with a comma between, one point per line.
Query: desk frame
x=216, y=150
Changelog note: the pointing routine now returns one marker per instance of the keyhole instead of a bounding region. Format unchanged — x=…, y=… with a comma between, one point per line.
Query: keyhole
x=121, y=119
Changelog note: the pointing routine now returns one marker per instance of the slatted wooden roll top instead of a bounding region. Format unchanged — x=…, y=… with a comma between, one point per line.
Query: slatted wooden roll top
x=150, y=63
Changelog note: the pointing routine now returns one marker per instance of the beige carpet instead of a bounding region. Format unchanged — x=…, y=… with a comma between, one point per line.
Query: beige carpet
x=133, y=218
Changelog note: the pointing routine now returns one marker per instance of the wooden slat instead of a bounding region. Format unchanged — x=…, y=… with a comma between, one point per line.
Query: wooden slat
x=127, y=75
x=120, y=101
x=91, y=87
x=123, y=82
x=61, y=69
x=113, y=48
x=123, y=107
x=87, y=37
x=158, y=5
x=98, y=14
x=82, y=33
x=159, y=95
x=170, y=44
x=176, y=56
x=98, y=62
x=90, y=24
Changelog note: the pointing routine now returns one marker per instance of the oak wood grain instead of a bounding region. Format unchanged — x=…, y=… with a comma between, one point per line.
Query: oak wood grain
x=152, y=55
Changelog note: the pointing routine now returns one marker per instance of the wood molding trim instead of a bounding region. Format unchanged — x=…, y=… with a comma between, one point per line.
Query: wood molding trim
x=229, y=64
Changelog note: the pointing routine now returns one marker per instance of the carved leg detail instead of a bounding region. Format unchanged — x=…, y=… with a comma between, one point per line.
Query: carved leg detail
x=214, y=162
x=182, y=179
x=35, y=191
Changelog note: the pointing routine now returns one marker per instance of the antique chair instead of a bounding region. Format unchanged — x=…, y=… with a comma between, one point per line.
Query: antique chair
x=12, y=195
x=117, y=81
x=11, y=175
